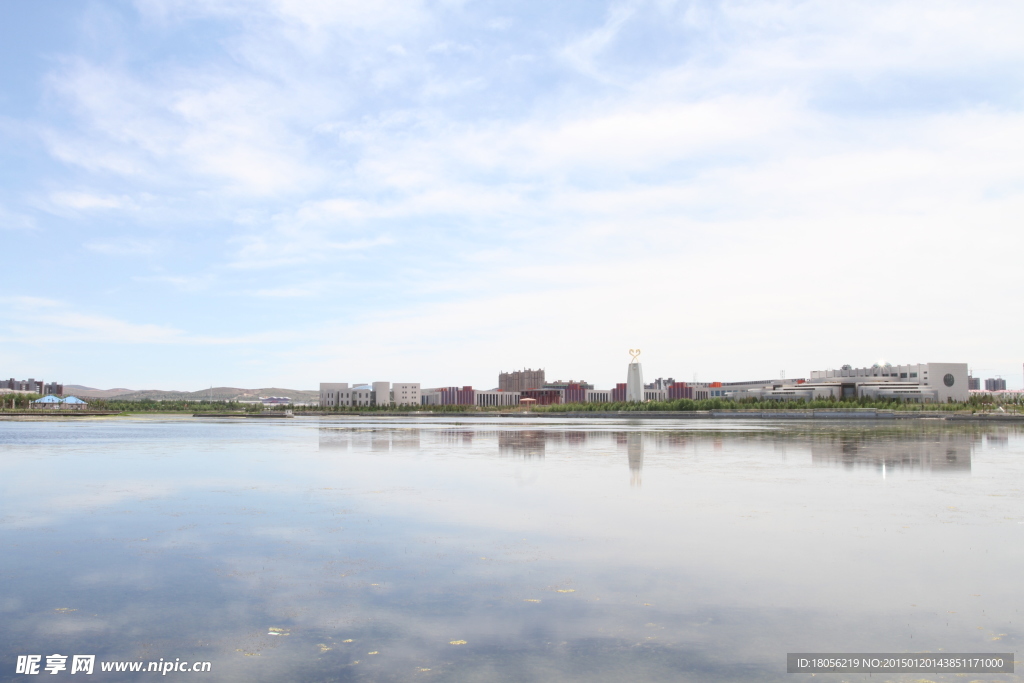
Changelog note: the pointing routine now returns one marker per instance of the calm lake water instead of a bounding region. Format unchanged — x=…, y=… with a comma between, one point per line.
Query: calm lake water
x=504, y=550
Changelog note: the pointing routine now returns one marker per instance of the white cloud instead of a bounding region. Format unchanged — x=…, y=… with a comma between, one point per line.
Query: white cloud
x=709, y=177
x=219, y=126
x=582, y=52
x=58, y=322
x=183, y=283
x=12, y=220
x=290, y=247
x=124, y=248
x=87, y=200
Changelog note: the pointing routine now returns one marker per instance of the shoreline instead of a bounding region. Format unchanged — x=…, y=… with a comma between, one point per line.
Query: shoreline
x=815, y=415
x=862, y=414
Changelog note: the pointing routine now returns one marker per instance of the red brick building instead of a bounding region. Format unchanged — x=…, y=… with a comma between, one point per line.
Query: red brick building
x=453, y=396
x=544, y=397
x=680, y=390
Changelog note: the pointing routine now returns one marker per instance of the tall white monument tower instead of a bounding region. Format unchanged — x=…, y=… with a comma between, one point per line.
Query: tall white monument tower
x=635, y=378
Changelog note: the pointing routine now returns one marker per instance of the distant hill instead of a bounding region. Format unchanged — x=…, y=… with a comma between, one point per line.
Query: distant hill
x=79, y=390
x=216, y=394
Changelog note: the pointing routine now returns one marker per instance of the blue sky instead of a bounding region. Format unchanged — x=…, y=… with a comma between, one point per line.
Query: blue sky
x=284, y=192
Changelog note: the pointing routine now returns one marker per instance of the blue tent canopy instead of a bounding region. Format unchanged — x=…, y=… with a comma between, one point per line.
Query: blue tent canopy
x=49, y=399
x=75, y=400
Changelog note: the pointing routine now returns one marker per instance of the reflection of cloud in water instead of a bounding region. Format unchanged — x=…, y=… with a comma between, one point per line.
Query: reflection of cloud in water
x=426, y=537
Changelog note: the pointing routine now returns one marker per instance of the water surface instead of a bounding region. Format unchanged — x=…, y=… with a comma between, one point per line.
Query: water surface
x=545, y=550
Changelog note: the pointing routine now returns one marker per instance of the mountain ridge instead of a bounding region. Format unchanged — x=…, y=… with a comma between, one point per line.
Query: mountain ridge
x=214, y=393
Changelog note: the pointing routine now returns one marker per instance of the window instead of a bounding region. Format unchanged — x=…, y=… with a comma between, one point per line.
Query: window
x=903, y=375
x=913, y=374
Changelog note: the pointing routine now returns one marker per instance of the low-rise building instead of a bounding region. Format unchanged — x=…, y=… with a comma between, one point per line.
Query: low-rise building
x=923, y=383
x=334, y=394
x=696, y=391
x=944, y=381
x=543, y=397
x=448, y=396
x=496, y=398
x=405, y=393
x=655, y=394
x=341, y=395
x=52, y=402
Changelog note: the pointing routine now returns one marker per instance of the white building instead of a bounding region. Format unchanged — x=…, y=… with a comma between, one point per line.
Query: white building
x=405, y=394
x=921, y=383
x=362, y=395
x=939, y=382
x=334, y=394
x=381, y=394
x=496, y=398
x=341, y=395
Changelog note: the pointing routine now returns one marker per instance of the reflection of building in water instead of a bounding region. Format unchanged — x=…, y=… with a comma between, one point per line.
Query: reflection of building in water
x=456, y=437
x=999, y=439
x=936, y=453
x=335, y=439
x=362, y=439
x=635, y=453
x=522, y=444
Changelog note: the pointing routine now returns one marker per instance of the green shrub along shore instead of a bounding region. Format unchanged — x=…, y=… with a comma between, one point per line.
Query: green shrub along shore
x=1010, y=403
x=975, y=403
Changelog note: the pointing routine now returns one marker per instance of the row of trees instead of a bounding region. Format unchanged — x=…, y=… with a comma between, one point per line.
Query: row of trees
x=1013, y=402
x=17, y=401
x=390, y=409
x=176, y=406
x=685, y=404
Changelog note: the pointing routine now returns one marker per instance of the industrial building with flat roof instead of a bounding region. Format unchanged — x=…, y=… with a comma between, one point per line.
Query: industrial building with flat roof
x=921, y=383
x=341, y=395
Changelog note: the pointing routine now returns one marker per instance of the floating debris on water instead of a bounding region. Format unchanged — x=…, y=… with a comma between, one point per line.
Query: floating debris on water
x=456, y=642
x=323, y=647
x=566, y=590
x=347, y=641
x=274, y=631
x=531, y=600
x=373, y=653
x=65, y=610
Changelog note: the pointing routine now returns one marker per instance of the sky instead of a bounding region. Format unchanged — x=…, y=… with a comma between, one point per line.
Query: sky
x=261, y=193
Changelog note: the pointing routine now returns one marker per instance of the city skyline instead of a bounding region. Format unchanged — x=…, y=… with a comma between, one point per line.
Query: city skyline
x=268, y=193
